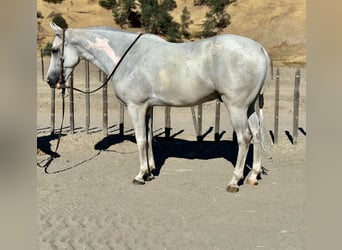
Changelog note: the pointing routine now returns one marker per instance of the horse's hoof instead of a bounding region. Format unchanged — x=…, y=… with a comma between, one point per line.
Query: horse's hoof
x=138, y=182
x=252, y=182
x=232, y=188
x=149, y=177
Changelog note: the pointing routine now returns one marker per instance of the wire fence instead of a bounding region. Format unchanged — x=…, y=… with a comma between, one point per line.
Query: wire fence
x=196, y=111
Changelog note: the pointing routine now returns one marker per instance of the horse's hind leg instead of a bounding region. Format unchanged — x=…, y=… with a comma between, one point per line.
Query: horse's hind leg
x=254, y=125
x=239, y=121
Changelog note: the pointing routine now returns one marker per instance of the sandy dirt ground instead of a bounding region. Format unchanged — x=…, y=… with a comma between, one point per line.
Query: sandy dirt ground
x=86, y=200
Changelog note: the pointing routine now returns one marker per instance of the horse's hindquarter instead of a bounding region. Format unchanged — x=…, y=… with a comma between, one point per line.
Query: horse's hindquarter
x=190, y=73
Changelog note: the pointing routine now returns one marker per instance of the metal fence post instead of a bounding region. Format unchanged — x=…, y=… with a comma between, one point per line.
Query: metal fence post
x=71, y=104
x=100, y=75
x=296, y=107
x=199, y=122
x=53, y=110
x=42, y=61
x=217, y=120
x=167, y=122
x=122, y=119
x=276, y=108
x=87, y=88
x=194, y=119
x=105, y=106
x=199, y=119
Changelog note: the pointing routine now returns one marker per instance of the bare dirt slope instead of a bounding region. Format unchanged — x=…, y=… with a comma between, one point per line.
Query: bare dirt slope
x=279, y=25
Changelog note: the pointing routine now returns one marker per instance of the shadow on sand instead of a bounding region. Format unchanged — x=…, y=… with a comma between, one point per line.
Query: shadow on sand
x=164, y=148
x=44, y=145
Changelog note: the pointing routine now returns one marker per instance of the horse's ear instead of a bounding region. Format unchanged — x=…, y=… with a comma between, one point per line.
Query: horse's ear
x=58, y=30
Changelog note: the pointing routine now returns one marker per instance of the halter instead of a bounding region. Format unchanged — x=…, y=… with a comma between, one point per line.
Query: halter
x=61, y=71
x=61, y=68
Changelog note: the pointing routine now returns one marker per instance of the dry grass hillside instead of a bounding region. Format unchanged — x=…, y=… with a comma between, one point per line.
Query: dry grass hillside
x=279, y=25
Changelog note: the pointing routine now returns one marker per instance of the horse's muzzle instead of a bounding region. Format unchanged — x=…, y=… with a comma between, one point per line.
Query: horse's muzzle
x=55, y=82
x=52, y=82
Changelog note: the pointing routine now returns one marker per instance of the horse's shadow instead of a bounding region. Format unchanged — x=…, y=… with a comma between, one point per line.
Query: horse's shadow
x=44, y=145
x=164, y=148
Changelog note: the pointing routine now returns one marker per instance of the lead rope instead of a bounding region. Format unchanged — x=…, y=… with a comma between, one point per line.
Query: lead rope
x=54, y=154
x=62, y=81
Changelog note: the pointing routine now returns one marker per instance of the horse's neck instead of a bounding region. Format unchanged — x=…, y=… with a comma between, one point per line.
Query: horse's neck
x=103, y=49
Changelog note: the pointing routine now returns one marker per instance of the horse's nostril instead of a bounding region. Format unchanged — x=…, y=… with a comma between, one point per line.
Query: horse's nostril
x=49, y=81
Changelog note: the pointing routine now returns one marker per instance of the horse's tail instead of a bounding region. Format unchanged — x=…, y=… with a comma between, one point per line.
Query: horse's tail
x=265, y=141
x=267, y=75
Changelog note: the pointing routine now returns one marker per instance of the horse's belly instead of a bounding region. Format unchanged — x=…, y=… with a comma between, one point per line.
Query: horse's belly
x=185, y=94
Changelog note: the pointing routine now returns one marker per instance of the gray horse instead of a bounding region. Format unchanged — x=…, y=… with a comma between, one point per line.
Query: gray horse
x=158, y=73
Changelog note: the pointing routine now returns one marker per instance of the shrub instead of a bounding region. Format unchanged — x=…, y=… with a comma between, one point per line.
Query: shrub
x=53, y=1
x=60, y=21
x=107, y=4
x=217, y=18
x=47, y=49
x=185, y=22
x=39, y=14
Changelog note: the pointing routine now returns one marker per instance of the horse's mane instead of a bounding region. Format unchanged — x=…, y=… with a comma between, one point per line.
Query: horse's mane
x=108, y=28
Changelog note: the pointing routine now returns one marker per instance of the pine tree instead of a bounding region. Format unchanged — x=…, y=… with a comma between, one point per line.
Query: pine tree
x=156, y=19
x=53, y=1
x=60, y=21
x=125, y=13
x=217, y=18
x=107, y=4
x=185, y=22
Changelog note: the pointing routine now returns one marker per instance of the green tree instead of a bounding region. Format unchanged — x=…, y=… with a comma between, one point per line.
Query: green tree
x=107, y=4
x=168, y=5
x=53, y=1
x=156, y=18
x=60, y=21
x=148, y=18
x=199, y=2
x=39, y=14
x=47, y=49
x=125, y=13
x=185, y=22
x=209, y=25
x=153, y=15
x=217, y=18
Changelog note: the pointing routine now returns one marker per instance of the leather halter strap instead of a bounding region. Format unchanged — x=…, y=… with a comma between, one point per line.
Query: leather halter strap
x=61, y=68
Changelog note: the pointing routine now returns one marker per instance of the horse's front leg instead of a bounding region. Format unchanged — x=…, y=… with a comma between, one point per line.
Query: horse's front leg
x=138, y=117
x=149, y=134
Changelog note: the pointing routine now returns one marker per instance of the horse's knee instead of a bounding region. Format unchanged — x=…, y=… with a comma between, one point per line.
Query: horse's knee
x=244, y=139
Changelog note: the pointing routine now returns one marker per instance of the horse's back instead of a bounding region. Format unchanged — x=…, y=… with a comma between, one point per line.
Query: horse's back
x=183, y=74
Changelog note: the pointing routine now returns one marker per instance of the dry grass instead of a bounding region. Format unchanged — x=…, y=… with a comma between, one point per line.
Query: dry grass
x=278, y=25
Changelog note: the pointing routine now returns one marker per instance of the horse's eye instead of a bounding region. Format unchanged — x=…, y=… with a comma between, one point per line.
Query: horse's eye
x=54, y=51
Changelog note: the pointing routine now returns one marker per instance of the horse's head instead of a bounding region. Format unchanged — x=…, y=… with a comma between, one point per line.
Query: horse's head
x=60, y=51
